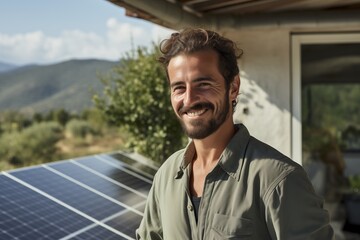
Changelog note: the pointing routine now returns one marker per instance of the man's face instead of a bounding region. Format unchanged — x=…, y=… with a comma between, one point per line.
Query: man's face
x=199, y=95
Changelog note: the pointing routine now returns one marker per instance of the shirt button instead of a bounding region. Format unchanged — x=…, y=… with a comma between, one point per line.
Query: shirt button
x=191, y=208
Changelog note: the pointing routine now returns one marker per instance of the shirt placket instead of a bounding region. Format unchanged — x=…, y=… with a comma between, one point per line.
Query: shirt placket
x=204, y=208
x=190, y=208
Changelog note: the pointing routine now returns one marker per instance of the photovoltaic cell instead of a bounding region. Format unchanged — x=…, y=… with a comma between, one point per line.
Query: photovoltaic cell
x=127, y=223
x=123, y=159
x=100, y=184
x=118, y=174
x=68, y=192
x=94, y=197
x=98, y=233
x=25, y=214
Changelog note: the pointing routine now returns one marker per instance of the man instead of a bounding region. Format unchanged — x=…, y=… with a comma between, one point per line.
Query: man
x=225, y=184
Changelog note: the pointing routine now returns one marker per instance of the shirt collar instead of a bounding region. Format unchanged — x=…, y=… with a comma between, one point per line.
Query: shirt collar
x=187, y=158
x=230, y=159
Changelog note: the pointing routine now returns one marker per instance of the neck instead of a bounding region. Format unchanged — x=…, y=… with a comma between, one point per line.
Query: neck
x=209, y=149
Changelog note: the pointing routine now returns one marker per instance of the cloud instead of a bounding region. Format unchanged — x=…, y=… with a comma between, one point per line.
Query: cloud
x=159, y=33
x=37, y=47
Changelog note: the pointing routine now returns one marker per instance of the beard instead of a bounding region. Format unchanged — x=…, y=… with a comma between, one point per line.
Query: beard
x=200, y=129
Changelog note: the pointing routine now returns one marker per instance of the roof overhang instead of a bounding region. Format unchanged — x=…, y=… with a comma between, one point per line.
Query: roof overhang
x=177, y=14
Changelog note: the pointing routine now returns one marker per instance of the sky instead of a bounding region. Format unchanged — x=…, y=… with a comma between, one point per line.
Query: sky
x=51, y=31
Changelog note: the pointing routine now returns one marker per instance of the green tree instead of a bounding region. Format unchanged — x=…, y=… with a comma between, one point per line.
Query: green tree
x=136, y=97
x=94, y=117
x=37, y=117
x=61, y=116
x=13, y=121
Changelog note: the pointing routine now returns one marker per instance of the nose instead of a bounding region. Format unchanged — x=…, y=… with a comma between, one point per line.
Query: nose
x=190, y=96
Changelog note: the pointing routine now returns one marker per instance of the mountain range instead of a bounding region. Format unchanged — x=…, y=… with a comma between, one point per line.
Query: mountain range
x=6, y=67
x=40, y=88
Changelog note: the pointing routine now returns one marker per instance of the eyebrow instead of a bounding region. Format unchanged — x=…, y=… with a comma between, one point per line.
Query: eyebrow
x=201, y=79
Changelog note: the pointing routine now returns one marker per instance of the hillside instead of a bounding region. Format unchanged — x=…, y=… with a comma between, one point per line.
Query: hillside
x=65, y=85
x=6, y=67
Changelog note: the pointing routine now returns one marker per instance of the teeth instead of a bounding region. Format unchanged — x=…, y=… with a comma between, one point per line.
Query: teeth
x=197, y=113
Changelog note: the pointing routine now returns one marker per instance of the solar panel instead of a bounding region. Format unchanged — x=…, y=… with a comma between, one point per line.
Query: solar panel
x=93, y=197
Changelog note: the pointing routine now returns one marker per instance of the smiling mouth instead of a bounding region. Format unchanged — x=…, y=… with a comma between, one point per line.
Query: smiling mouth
x=196, y=110
x=195, y=113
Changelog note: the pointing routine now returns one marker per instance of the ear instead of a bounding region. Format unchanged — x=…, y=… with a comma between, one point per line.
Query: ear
x=234, y=88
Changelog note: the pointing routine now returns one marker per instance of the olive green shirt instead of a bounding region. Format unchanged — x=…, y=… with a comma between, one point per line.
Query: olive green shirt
x=254, y=192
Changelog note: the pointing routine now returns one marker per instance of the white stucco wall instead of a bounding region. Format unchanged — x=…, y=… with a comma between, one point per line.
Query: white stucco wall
x=266, y=81
x=265, y=85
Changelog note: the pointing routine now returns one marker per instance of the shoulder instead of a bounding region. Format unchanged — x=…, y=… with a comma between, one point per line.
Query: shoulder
x=171, y=165
x=270, y=166
x=262, y=154
x=256, y=153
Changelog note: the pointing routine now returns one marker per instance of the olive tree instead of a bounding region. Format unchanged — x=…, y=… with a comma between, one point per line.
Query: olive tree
x=136, y=97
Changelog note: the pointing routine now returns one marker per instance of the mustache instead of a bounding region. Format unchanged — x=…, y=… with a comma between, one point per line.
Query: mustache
x=196, y=107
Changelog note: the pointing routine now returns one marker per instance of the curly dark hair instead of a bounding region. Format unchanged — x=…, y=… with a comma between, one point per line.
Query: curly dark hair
x=191, y=40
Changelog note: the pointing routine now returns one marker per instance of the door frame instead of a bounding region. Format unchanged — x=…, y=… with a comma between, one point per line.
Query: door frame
x=298, y=39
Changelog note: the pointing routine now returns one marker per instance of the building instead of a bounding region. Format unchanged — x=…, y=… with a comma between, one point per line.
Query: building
x=300, y=88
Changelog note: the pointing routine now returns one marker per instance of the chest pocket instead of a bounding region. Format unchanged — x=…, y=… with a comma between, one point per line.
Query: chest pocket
x=228, y=227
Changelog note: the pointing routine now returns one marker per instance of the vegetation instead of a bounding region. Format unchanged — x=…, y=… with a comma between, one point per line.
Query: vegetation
x=24, y=147
x=79, y=128
x=136, y=97
x=331, y=125
x=331, y=116
x=354, y=181
x=53, y=136
x=333, y=105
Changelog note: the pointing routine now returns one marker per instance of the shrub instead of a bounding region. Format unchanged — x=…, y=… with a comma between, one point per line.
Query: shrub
x=34, y=144
x=79, y=128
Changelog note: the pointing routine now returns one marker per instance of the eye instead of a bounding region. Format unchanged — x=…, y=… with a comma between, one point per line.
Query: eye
x=178, y=89
x=204, y=84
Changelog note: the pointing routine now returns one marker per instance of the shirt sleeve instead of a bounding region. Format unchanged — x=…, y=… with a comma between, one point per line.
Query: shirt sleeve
x=150, y=226
x=294, y=211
